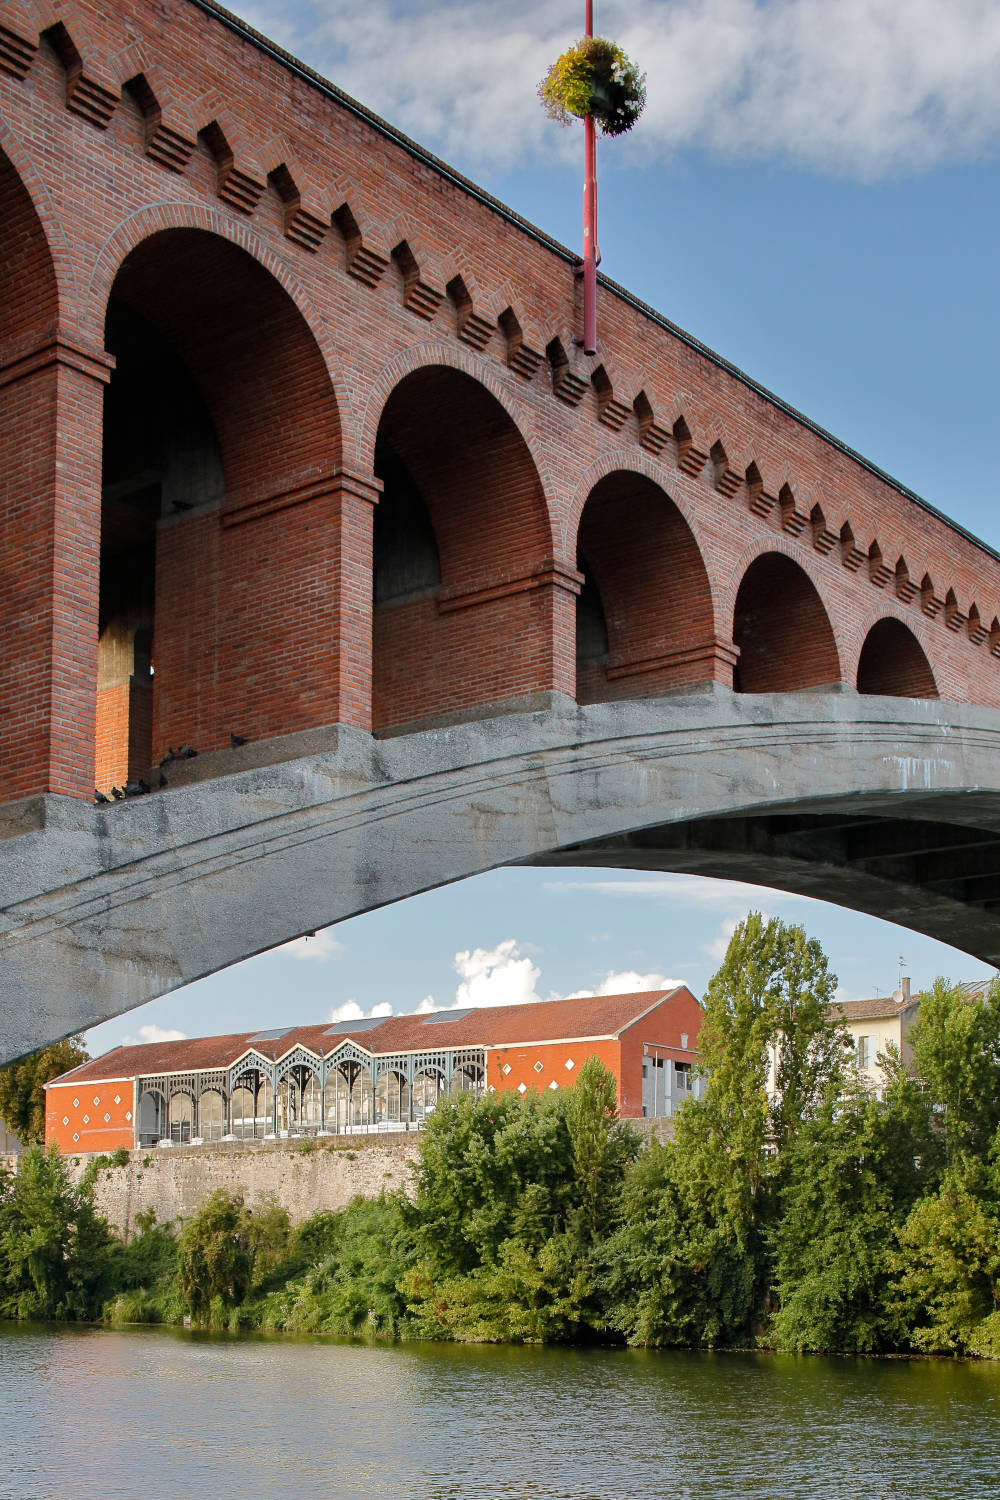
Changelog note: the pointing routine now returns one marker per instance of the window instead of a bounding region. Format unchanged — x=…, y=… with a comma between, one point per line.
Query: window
x=684, y=1041
x=862, y=1052
x=682, y=1072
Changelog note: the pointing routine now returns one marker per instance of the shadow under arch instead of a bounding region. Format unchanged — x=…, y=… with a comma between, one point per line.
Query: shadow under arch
x=782, y=630
x=463, y=587
x=45, y=683
x=221, y=436
x=893, y=664
x=645, y=621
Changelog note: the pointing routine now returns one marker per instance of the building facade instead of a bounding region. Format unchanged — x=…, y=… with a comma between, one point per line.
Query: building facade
x=375, y=1073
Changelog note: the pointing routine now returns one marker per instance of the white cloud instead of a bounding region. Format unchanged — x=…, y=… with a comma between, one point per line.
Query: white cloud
x=350, y=1010
x=683, y=890
x=154, y=1034
x=495, y=976
x=627, y=982
x=319, y=946
x=717, y=948
x=859, y=88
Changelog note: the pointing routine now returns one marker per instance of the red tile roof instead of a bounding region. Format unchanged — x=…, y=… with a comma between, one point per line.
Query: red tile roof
x=586, y=1018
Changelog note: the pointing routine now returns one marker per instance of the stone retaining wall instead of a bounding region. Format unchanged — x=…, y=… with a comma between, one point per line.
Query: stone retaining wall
x=302, y=1176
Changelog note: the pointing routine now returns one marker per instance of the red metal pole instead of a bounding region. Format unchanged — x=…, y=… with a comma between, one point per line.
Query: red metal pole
x=590, y=219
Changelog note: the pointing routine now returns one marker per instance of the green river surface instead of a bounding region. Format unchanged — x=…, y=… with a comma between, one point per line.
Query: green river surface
x=136, y=1413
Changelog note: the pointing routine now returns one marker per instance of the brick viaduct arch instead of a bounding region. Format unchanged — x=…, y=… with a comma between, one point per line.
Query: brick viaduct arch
x=358, y=476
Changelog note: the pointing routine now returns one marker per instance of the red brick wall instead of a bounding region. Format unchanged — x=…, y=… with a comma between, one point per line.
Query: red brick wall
x=678, y=1015
x=251, y=220
x=90, y=1116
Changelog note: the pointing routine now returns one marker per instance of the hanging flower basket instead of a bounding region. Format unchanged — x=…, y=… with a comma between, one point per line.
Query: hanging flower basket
x=594, y=78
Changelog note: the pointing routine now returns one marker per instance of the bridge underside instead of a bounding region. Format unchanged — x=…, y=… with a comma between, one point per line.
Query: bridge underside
x=885, y=805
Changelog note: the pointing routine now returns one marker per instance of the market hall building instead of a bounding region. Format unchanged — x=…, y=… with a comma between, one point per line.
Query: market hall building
x=377, y=1073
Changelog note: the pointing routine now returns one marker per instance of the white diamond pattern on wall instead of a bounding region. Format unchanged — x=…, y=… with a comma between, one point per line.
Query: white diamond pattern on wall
x=553, y=1084
x=505, y=1069
x=522, y=1088
x=570, y=1065
x=107, y=1119
x=538, y=1067
x=76, y=1104
x=118, y=1098
x=86, y=1119
x=65, y=1119
x=128, y=1114
x=76, y=1137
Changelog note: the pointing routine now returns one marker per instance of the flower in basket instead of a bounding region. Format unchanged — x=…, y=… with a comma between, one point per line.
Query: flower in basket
x=594, y=77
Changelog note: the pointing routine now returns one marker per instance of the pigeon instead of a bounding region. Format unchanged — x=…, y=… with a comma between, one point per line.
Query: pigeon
x=186, y=753
x=99, y=797
x=169, y=758
x=135, y=788
x=236, y=739
x=163, y=781
x=117, y=793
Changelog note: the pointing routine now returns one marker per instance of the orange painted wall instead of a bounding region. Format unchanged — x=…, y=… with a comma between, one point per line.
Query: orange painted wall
x=553, y=1057
x=90, y=1116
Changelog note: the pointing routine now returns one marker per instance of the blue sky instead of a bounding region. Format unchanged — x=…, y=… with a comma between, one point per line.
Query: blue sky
x=815, y=193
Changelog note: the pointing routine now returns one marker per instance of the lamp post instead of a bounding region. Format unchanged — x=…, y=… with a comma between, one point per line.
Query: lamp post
x=590, y=255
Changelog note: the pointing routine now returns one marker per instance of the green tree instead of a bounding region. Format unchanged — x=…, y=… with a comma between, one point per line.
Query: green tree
x=946, y=1271
x=856, y=1169
x=478, y=1158
x=602, y=1148
x=225, y=1248
x=53, y=1245
x=22, y=1086
x=956, y=1052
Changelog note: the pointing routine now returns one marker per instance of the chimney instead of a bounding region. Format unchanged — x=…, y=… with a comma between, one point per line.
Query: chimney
x=905, y=984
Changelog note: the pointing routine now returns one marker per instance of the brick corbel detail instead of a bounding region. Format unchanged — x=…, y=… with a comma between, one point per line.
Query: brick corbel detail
x=716, y=650
x=423, y=284
x=553, y=573
x=340, y=481
x=239, y=178
x=91, y=92
x=18, y=41
x=71, y=354
x=366, y=254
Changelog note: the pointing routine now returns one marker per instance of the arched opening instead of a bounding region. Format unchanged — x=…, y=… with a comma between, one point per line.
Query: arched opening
x=463, y=591
x=46, y=678
x=644, y=618
x=152, y=1117
x=221, y=436
x=211, y=1115
x=251, y=1107
x=782, y=631
x=392, y=1098
x=428, y=1086
x=180, y=1118
x=300, y=1101
x=893, y=664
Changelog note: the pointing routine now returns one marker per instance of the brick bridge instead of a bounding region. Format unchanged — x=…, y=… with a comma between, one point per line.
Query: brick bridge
x=297, y=447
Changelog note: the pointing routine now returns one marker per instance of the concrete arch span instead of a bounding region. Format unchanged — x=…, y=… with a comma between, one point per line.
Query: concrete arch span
x=887, y=805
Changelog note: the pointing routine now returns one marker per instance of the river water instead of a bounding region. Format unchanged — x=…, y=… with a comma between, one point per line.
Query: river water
x=119, y=1415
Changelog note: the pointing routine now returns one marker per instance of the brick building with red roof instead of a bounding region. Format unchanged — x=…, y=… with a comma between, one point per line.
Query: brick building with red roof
x=378, y=1073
